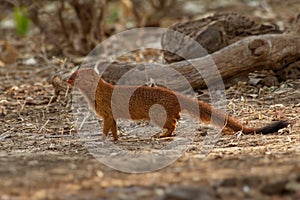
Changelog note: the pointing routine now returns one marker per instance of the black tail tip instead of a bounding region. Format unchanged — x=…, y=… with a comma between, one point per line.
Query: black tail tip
x=273, y=127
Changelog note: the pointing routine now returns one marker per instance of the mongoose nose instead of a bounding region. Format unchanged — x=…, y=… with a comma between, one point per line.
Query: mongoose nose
x=70, y=81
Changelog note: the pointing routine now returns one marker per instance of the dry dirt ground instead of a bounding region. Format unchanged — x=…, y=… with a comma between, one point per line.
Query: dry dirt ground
x=42, y=156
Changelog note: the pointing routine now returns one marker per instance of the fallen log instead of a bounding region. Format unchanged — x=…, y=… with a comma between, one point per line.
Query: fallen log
x=212, y=33
x=250, y=54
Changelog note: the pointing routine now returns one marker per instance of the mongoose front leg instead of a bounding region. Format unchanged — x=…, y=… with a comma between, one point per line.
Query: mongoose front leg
x=109, y=124
x=114, y=130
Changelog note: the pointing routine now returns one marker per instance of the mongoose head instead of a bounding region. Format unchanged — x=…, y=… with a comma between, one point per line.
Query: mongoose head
x=83, y=77
x=86, y=80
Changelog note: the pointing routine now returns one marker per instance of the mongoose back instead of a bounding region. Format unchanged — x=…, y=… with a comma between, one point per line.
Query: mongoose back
x=98, y=94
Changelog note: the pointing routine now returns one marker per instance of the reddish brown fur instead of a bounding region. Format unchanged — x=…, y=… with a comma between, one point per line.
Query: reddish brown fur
x=100, y=96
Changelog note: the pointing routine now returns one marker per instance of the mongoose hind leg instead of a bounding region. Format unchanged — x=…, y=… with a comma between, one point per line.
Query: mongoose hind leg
x=170, y=125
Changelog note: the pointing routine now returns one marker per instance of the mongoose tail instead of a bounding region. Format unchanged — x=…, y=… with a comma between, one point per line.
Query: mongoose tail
x=229, y=125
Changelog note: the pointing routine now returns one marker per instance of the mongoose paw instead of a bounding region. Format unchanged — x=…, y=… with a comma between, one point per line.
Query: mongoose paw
x=161, y=135
x=103, y=137
x=157, y=135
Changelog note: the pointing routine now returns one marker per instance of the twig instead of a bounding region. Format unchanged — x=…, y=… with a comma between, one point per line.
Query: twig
x=83, y=121
x=41, y=129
